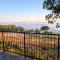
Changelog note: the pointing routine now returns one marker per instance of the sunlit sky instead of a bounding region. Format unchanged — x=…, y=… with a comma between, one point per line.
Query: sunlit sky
x=22, y=11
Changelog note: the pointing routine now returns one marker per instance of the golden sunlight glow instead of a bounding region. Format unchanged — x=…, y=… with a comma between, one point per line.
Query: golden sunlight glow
x=24, y=19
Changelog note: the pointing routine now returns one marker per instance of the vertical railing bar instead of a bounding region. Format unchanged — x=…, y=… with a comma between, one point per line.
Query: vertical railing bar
x=24, y=45
x=36, y=46
x=45, y=39
x=58, y=47
x=3, y=45
x=46, y=45
x=53, y=40
x=54, y=46
x=29, y=42
x=3, y=40
x=39, y=45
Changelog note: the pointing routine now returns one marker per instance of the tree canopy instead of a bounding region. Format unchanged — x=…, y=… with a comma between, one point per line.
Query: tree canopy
x=44, y=28
x=14, y=28
x=54, y=6
x=11, y=28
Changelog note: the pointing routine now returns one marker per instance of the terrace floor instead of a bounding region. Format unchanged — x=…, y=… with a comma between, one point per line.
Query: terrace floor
x=7, y=56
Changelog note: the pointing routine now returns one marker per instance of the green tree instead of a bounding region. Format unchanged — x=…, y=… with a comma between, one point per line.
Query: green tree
x=20, y=29
x=8, y=27
x=13, y=27
x=54, y=6
x=45, y=28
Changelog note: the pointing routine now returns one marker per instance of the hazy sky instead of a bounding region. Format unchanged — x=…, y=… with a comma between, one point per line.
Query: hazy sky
x=22, y=11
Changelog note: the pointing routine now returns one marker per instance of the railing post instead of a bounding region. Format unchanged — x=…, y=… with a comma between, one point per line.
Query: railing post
x=3, y=40
x=58, y=47
x=3, y=46
x=24, y=46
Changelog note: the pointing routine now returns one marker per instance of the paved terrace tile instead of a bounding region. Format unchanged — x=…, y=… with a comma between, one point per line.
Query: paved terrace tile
x=7, y=56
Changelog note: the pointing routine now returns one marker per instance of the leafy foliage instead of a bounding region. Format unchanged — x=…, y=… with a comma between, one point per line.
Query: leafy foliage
x=54, y=6
x=11, y=28
x=45, y=28
x=14, y=28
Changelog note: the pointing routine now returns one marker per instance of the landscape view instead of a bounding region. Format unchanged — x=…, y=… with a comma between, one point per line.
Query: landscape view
x=30, y=30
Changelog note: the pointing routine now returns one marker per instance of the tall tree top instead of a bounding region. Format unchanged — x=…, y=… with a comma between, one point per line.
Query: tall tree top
x=54, y=6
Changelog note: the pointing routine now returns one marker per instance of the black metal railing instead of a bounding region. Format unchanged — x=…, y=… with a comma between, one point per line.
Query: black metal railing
x=38, y=46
